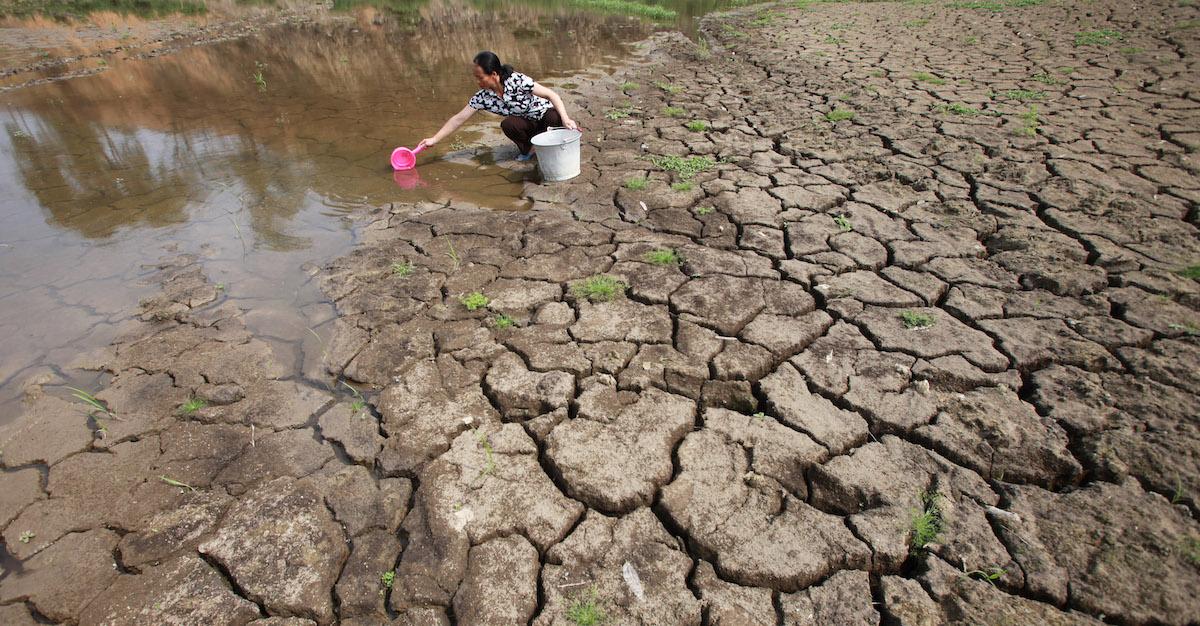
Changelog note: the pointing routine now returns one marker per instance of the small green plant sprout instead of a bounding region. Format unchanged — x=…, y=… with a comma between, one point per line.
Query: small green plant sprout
x=704, y=210
x=619, y=113
x=359, y=403
x=489, y=463
x=1046, y=79
x=683, y=185
x=673, y=112
x=759, y=416
x=697, y=126
x=956, y=109
x=259, y=78
x=474, y=301
x=26, y=536
x=990, y=575
x=1192, y=272
x=926, y=77
x=175, y=483
x=917, y=23
x=1023, y=94
x=1029, y=125
x=585, y=610
x=502, y=322
x=664, y=256
x=834, y=39
x=914, y=320
x=402, y=269
x=636, y=184
x=1177, y=495
x=453, y=254
x=843, y=223
x=668, y=87
x=684, y=168
x=95, y=405
x=599, y=288
x=1185, y=25
x=387, y=579
x=192, y=405
x=1187, y=329
x=629, y=86
x=570, y=85
x=1102, y=37
x=220, y=286
x=971, y=40
x=838, y=115
x=926, y=523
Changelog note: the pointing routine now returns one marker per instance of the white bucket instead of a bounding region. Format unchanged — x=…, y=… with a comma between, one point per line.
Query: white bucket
x=558, y=153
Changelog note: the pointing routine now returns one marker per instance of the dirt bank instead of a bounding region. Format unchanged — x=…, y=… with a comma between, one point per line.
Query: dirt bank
x=905, y=332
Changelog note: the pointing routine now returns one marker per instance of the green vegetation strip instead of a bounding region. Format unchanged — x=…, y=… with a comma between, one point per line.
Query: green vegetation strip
x=627, y=8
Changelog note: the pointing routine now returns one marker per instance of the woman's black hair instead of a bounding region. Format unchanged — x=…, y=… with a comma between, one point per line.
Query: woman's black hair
x=490, y=64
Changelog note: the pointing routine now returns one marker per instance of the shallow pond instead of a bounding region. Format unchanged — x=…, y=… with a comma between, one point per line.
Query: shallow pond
x=251, y=154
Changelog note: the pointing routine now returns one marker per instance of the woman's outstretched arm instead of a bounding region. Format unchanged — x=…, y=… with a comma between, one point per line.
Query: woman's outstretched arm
x=450, y=126
x=542, y=91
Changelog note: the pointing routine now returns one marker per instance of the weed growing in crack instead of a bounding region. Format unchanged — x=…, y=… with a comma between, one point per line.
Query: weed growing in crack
x=95, y=405
x=489, y=463
x=697, y=126
x=926, y=523
x=682, y=186
x=1023, y=94
x=453, y=254
x=914, y=320
x=586, y=611
x=673, y=112
x=619, y=113
x=704, y=210
x=1192, y=272
x=1029, y=126
x=192, y=405
x=502, y=322
x=359, y=403
x=926, y=77
x=474, y=301
x=1177, y=496
x=990, y=575
x=685, y=168
x=26, y=536
x=1188, y=329
x=838, y=115
x=629, y=86
x=1046, y=79
x=387, y=579
x=843, y=223
x=1102, y=37
x=636, y=184
x=259, y=79
x=668, y=87
x=175, y=483
x=956, y=109
x=665, y=256
x=599, y=288
x=971, y=40
x=402, y=269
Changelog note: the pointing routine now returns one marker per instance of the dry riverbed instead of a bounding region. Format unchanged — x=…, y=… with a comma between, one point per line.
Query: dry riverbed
x=859, y=313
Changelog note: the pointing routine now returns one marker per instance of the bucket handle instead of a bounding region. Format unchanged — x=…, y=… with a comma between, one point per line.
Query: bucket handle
x=580, y=129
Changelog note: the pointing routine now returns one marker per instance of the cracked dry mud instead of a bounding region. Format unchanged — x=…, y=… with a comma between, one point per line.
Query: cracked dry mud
x=744, y=437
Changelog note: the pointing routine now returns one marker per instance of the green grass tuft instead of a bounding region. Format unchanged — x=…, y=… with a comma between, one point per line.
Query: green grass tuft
x=636, y=184
x=629, y=86
x=697, y=126
x=673, y=112
x=913, y=319
x=626, y=7
x=1102, y=37
x=926, y=77
x=668, y=87
x=585, y=611
x=502, y=321
x=665, y=256
x=474, y=301
x=619, y=113
x=599, y=288
x=1192, y=272
x=192, y=405
x=704, y=210
x=683, y=185
x=843, y=223
x=956, y=109
x=838, y=115
x=403, y=269
x=926, y=524
x=1023, y=94
x=685, y=168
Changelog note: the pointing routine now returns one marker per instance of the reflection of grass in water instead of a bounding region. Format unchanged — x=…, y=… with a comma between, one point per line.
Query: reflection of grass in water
x=63, y=9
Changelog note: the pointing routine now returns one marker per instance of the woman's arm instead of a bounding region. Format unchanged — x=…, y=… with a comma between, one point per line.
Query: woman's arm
x=547, y=93
x=450, y=126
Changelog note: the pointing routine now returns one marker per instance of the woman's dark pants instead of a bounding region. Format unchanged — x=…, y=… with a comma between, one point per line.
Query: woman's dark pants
x=521, y=130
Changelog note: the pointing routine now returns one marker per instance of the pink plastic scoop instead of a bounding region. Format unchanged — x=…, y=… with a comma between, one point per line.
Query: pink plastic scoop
x=405, y=159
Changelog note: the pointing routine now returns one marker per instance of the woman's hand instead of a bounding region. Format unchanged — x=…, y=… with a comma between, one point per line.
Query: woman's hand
x=570, y=123
x=428, y=142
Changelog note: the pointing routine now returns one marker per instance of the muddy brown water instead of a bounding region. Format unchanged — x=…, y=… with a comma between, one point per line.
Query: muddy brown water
x=188, y=152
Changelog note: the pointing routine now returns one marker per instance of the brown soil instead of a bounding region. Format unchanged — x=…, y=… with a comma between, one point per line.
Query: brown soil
x=918, y=316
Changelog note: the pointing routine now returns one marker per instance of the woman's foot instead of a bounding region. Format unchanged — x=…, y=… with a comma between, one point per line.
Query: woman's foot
x=525, y=157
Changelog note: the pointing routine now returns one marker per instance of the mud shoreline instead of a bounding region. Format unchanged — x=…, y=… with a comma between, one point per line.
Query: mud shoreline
x=905, y=332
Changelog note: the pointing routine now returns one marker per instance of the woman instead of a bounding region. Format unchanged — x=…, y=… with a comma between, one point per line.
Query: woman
x=528, y=108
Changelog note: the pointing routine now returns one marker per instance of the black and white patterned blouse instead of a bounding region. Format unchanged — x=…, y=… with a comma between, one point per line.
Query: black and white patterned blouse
x=518, y=99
